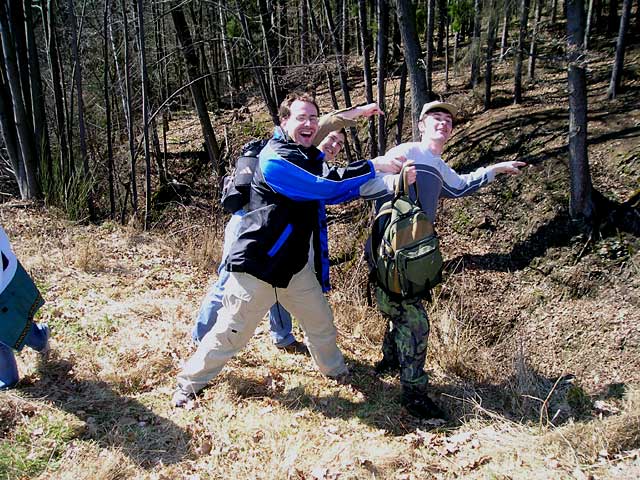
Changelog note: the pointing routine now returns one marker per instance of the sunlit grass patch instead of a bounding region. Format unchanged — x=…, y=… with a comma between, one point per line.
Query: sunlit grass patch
x=36, y=444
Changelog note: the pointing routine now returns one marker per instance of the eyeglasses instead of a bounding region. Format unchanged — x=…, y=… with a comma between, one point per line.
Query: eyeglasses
x=305, y=118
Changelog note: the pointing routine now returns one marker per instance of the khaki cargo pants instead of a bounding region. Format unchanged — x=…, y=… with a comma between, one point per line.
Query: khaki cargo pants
x=245, y=302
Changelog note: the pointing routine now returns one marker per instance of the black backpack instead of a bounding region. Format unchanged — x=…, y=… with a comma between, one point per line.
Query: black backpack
x=237, y=184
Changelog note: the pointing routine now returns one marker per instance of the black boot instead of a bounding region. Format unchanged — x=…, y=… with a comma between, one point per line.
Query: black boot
x=420, y=405
x=387, y=365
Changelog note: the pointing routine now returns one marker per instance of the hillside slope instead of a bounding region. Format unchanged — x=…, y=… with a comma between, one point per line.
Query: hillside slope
x=535, y=344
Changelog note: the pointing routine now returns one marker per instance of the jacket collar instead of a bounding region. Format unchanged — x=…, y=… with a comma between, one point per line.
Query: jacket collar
x=311, y=152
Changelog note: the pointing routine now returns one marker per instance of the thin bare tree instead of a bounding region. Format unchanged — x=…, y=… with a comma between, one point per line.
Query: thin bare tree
x=383, y=45
x=618, y=64
x=581, y=202
x=407, y=23
x=517, y=77
x=107, y=110
x=491, y=43
x=191, y=59
x=533, y=46
x=82, y=133
x=368, y=84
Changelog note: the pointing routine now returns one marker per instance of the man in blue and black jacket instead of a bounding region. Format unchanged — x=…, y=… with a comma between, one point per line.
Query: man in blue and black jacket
x=269, y=261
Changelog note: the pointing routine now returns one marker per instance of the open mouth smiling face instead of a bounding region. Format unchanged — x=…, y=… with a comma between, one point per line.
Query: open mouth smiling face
x=302, y=123
x=332, y=145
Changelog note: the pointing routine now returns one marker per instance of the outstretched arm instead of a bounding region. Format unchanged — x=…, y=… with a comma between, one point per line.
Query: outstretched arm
x=361, y=111
x=289, y=177
x=343, y=119
x=509, y=168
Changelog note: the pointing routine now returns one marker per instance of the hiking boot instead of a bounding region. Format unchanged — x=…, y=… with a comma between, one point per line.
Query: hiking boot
x=181, y=398
x=386, y=365
x=421, y=406
x=343, y=378
x=296, y=347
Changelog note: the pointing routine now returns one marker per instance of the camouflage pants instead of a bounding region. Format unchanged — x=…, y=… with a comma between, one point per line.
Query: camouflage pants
x=406, y=339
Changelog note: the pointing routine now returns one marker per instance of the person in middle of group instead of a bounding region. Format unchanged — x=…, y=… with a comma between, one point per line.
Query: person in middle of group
x=329, y=140
x=269, y=262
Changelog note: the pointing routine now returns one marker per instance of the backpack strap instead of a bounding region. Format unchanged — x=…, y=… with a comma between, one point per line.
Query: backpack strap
x=403, y=186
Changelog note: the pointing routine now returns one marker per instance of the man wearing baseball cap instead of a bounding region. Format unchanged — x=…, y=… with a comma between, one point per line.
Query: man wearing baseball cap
x=405, y=342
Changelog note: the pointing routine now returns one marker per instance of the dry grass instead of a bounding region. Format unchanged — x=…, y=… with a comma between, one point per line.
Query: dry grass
x=606, y=437
x=99, y=408
x=526, y=340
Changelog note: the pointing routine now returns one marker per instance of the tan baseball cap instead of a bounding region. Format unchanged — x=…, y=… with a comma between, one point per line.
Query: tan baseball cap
x=449, y=107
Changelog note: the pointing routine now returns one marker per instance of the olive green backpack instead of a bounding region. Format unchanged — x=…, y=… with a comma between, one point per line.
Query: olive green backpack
x=405, y=248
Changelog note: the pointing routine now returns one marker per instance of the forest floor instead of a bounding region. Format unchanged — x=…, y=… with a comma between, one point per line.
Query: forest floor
x=535, y=332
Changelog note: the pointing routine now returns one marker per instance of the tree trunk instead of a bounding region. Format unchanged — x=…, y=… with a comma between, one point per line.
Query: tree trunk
x=446, y=58
x=504, y=39
x=82, y=133
x=267, y=95
x=456, y=44
x=587, y=29
x=20, y=43
x=225, y=51
x=342, y=73
x=37, y=97
x=618, y=64
x=612, y=19
x=368, y=84
x=10, y=134
x=271, y=51
x=401, y=102
x=128, y=111
x=407, y=22
x=533, y=48
x=581, y=203
x=442, y=28
x=191, y=59
x=431, y=13
x=554, y=11
x=491, y=40
x=475, y=45
x=145, y=115
x=26, y=175
x=304, y=31
x=383, y=44
x=344, y=27
x=107, y=110
x=517, y=88
x=57, y=87
x=396, y=41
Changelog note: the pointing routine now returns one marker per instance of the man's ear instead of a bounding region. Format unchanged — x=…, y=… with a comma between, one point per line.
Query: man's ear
x=421, y=126
x=283, y=122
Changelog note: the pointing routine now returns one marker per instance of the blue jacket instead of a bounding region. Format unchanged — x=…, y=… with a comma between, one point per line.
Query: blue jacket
x=289, y=191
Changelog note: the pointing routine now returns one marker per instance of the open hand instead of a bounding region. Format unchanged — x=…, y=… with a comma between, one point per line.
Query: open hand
x=510, y=168
x=368, y=110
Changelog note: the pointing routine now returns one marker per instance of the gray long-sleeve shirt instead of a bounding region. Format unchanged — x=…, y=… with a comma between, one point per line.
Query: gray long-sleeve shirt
x=435, y=179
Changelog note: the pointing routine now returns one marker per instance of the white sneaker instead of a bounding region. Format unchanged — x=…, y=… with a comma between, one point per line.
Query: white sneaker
x=181, y=398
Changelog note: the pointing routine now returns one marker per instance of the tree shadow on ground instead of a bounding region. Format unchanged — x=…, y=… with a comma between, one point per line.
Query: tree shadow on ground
x=558, y=232
x=525, y=397
x=112, y=420
x=527, y=129
x=519, y=399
